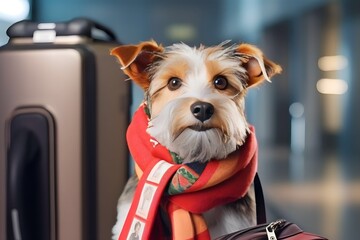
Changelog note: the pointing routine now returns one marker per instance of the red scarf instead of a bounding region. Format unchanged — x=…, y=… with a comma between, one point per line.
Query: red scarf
x=170, y=196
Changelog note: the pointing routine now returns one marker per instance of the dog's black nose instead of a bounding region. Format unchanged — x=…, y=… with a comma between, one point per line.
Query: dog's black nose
x=202, y=110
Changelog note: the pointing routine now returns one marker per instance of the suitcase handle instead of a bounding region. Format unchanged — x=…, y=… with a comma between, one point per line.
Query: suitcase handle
x=78, y=26
x=28, y=179
x=22, y=153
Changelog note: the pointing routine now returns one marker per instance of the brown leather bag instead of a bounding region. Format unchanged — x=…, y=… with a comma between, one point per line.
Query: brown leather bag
x=278, y=230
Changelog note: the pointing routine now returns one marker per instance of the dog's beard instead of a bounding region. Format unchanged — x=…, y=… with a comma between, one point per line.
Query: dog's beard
x=192, y=145
x=201, y=146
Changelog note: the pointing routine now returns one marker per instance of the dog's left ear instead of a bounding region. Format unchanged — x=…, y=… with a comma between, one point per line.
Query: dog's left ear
x=258, y=67
x=135, y=60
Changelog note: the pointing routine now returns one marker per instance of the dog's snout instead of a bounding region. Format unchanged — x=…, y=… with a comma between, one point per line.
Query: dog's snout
x=202, y=110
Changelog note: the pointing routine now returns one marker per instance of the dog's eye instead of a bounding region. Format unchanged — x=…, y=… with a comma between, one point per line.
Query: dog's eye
x=174, y=83
x=220, y=82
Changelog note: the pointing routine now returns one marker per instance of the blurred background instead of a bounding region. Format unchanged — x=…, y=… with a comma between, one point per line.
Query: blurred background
x=307, y=119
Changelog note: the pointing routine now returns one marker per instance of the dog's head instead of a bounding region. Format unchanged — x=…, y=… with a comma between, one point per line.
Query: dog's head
x=196, y=95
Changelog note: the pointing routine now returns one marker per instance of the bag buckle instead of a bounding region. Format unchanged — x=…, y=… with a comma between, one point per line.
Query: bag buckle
x=271, y=228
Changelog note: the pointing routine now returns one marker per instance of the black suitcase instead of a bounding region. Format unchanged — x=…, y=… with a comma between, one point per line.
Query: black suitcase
x=64, y=109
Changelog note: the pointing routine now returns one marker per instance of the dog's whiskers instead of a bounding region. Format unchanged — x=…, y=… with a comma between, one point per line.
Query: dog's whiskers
x=236, y=95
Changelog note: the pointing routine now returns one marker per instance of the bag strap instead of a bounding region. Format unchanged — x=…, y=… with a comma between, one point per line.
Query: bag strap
x=259, y=200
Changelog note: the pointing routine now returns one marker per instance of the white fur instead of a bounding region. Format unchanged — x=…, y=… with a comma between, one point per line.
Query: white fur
x=122, y=209
x=194, y=145
x=196, y=76
x=224, y=219
x=124, y=205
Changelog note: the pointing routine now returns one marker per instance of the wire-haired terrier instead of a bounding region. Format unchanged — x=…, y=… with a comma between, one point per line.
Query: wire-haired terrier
x=195, y=153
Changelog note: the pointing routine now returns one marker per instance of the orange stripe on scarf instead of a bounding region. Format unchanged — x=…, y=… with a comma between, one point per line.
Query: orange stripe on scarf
x=186, y=225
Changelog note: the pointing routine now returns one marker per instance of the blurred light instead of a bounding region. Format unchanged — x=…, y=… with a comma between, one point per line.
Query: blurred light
x=332, y=63
x=331, y=86
x=296, y=110
x=181, y=32
x=14, y=10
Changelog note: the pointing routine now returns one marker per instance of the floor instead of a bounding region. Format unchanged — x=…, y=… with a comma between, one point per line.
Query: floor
x=318, y=192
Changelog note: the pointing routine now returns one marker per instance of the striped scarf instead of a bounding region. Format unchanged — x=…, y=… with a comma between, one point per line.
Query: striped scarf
x=171, y=197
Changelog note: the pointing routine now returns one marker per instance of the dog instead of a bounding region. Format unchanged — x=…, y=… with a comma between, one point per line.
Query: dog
x=195, y=98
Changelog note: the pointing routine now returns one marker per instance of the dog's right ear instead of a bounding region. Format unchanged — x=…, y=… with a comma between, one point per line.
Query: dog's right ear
x=135, y=59
x=258, y=67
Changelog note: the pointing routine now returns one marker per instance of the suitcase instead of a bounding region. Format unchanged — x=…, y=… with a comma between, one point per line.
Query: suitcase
x=64, y=109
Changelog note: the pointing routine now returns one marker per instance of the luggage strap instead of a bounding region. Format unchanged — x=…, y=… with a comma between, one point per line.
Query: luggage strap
x=259, y=200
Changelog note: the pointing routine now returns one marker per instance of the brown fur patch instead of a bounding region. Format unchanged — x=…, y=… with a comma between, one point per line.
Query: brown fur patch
x=159, y=92
x=235, y=84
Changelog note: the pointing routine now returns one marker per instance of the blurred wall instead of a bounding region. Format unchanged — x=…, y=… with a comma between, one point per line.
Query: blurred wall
x=139, y=20
x=350, y=47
